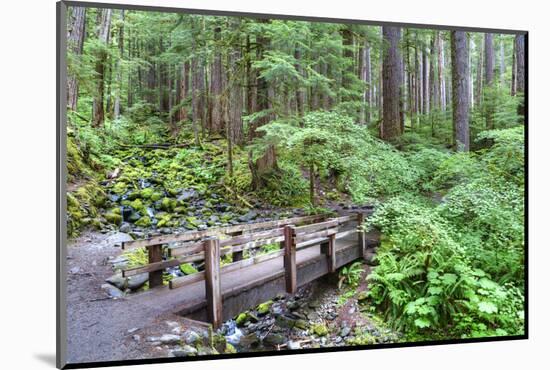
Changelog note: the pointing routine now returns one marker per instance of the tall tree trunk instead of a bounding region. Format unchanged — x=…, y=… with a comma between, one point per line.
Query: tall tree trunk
x=366, y=113
x=479, y=78
x=426, y=81
x=104, y=21
x=300, y=93
x=118, y=66
x=459, y=56
x=216, y=87
x=441, y=71
x=75, y=42
x=267, y=162
x=235, y=100
x=197, y=82
x=184, y=90
x=434, y=80
x=489, y=77
x=520, y=72
x=513, y=83
x=502, y=67
x=391, y=123
x=347, y=72
x=471, y=72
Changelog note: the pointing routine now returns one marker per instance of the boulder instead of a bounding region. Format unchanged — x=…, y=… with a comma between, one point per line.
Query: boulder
x=112, y=291
x=184, y=351
x=118, y=281
x=137, y=281
x=170, y=339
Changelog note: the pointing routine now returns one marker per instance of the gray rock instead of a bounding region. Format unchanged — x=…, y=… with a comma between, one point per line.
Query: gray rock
x=117, y=238
x=125, y=227
x=170, y=339
x=345, y=331
x=190, y=337
x=274, y=339
x=118, y=281
x=136, y=337
x=137, y=281
x=112, y=291
x=133, y=330
x=284, y=321
x=292, y=305
x=184, y=351
x=74, y=270
x=187, y=194
x=293, y=345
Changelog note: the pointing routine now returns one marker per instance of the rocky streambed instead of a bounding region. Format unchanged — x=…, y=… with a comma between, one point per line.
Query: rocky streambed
x=319, y=315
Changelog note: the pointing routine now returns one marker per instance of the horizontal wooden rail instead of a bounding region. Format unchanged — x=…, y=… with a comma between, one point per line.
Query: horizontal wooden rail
x=193, y=235
x=318, y=234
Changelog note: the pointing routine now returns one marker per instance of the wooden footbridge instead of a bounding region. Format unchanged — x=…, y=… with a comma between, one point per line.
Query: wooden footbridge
x=310, y=247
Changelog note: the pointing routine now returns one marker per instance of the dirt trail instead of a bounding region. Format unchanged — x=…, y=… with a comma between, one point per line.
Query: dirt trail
x=97, y=326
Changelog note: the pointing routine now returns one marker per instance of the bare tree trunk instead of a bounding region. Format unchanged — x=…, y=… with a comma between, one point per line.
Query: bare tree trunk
x=479, y=78
x=391, y=123
x=434, y=80
x=426, y=81
x=489, y=77
x=502, y=69
x=513, y=84
x=197, y=82
x=118, y=67
x=104, y=20
x=75, y=43
x=441, y=71
x=471, y=73
x=216, y=87
x=520, y=72
x=235, y=121
x=459, y=56
x=300, y=93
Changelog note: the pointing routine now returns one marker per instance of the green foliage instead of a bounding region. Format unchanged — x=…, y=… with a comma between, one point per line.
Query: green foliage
x=350, y=275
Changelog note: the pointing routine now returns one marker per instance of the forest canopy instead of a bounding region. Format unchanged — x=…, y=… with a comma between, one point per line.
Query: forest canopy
x=425, y=125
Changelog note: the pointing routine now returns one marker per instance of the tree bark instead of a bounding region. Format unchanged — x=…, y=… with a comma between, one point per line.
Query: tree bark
x=489, y=77
x=520, y=72
x=216, y=86
x=75, y=43
x=441, y=71
x=118, y=66
x=390, y=127
x=459, y=56
x=104, y=20
x=426, y=81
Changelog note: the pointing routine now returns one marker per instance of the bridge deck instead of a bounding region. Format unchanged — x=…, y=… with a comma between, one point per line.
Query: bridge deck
x=244, y=288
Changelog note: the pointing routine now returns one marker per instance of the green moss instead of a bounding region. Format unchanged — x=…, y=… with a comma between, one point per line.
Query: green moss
x=146, y=193
x=241, y=318
x=145, y=221
x=113, y=218
x=168, y=204
x=229, y=348
x=319, y=329
x=120, y=188
x=263, y=308
x=156, y=196
x=188, y=269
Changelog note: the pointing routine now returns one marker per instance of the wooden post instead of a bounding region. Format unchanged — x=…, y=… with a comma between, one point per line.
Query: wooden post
x=155, y=255
x=290, y=259
x=361, y=235
x=213, y=282
x=331, y=253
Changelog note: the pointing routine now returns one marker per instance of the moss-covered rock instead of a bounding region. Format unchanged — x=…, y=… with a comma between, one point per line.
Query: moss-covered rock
x=188, y=269
x=263, y=308
x=146, y=193
x=229, y=348
x=113, y=218
x=319, y=329
x=168, y=204
x=144, y=221
x=241, y=318
x=156, y=196
x=120, y=188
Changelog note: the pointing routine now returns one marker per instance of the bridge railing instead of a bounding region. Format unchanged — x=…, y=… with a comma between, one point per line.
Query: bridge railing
x=211, y=248
x=188, y=246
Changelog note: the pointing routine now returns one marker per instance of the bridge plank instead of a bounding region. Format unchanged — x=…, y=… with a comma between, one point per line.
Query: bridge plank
x=315, y=235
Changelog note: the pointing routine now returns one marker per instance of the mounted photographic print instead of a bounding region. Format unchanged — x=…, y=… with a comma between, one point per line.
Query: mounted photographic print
x=236, y=184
